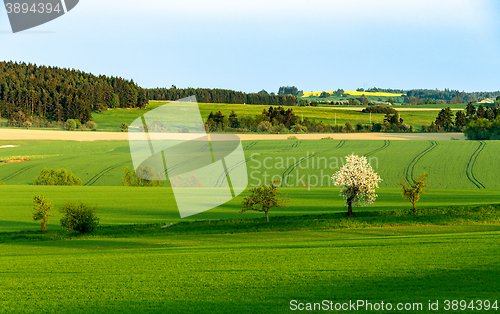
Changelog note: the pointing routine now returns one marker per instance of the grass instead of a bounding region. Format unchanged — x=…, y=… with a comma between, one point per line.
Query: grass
x=452, y=215
x=250, y=273
x=125, y=205
x=111, y=120
x=451, y=164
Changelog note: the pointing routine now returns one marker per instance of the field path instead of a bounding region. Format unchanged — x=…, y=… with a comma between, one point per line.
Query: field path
x=21, y=134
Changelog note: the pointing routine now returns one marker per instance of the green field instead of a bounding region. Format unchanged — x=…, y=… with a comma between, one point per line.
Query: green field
x=451, y=164
x=254, y=271
x=111, y=120
x=251, y=273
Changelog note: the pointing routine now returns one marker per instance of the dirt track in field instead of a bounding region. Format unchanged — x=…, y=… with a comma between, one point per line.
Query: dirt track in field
x=19, y=134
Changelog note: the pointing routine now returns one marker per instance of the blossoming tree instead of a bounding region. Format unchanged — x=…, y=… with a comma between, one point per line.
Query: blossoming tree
x=358, y=182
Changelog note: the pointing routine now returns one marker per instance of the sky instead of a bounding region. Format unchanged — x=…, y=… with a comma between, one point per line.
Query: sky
x=248, y=46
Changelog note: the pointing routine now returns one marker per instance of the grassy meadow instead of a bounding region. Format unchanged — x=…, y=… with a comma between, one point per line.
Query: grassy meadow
x=110, y=120
x=251, y=273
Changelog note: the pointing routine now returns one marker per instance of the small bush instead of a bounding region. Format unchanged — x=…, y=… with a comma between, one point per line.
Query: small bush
x=292, y=137
x=91, y=125
x=57, y=177
x=79, y=217
x=124, y=127
x=70, y=124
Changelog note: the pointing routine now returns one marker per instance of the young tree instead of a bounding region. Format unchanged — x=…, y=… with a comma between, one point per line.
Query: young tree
x=358, y=182
x=264, y=198
x=124, y=127
x=42, y=210
x=413, y=190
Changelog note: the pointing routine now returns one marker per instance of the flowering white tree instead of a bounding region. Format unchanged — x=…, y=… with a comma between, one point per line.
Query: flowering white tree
x=358, y=182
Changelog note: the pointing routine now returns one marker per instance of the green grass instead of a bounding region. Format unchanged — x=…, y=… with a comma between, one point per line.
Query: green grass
x=451, y=215
x=126, y=205
x=111, y=120
x=250, y=273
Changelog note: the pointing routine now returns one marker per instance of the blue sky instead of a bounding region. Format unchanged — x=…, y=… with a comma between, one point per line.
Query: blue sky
x=252, y=45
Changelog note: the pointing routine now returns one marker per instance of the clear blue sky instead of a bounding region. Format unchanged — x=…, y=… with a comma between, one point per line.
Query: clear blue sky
x=252, y=45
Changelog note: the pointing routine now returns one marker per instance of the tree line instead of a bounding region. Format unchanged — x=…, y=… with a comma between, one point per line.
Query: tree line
x=205, y=95
x=59, y=94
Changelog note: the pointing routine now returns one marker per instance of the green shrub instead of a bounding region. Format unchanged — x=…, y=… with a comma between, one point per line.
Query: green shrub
x=70, y=124
x=91, y=125
x=124, y=127
x=79, y=217
x=57, y=177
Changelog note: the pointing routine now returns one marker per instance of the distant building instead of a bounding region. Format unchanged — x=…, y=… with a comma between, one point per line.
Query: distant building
x=487, y=101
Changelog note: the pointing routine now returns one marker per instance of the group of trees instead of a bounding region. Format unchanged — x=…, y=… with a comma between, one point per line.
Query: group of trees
x=275, y=119
x=56, y=94
x=357, y=180
x=204, y=95
x=471, y=121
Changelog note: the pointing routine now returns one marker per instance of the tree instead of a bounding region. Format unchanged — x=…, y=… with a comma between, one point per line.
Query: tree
x=79, y=217
x=460, y=120
x=136, y=177
x=358, y=182
x=41, y=210
x=70, y=124
x=49, y=176
x=264, y=198
x=413, y=190
x=471, y=110
x=233, y=120
x=124, y=127
x=481, y=112
x=348, y=127
x=444, y=119
x=115, y=101
x=365, y=101
x=390, y=100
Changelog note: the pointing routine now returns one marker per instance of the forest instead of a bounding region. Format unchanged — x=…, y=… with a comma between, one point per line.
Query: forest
x=205, y=95
x=56, y=94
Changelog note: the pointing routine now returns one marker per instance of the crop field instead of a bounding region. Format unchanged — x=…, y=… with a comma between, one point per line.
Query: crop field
x=110, y=120
x=451, y=164
x=353, y=93
x=251, y=273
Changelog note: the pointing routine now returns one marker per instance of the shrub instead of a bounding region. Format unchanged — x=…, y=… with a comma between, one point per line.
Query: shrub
x=264, y=126
x=292, y=137
x=70, y=124
x=91, y=125
x=124, y=126
x=379, y=109
x=79, y=217
x=57, y=177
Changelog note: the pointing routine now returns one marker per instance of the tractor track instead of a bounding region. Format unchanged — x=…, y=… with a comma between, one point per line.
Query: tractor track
x=472, y=162
x=387, y=143
x=99, y=175
x=411, y=167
